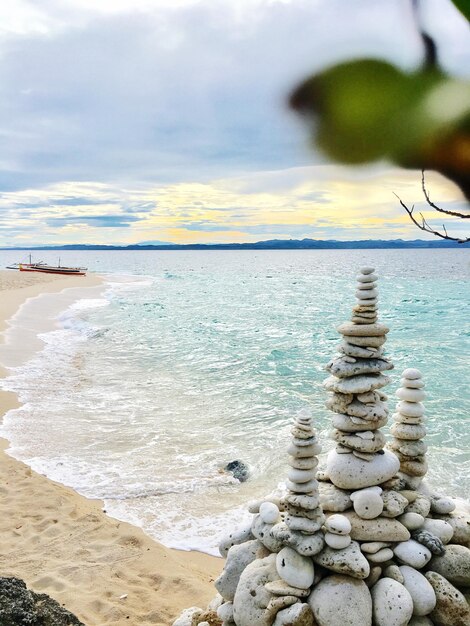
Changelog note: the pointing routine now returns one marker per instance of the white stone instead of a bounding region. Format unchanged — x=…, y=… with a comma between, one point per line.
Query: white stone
x=411, y=373
x=349, y=560
x=348, y=472
x=299, y=614
x=306, y=545
x=295, y=569
x=420, y=590
x=225, y=612
x=410, y=395
x=338, y=524
x=337, y=542
x=393, y=571
x=408, y=431
x=356, y=384
x=412, y=384
x=238, y=558
x=412, y=521
x=186, y=617
x=378, y=529
x=381, y=556
x=301, y=476
x=371, y=547
x=309, y=487
x=412, y=553
x=366, y=294
x=366, y=277
x=367, y=342
x=269, y=512
x=239, y=535
x=442, y=506
x=440, y=528
x=392, y=603
x=367, y=503
x=332, y=498
x=367, y=269
x=411, y=409
x=341, y=601
x=251, y=598
x=363, y=330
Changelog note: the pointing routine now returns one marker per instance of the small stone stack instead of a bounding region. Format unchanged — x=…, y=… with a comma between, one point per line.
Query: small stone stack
x=408, y=430
x=359, y=459
x=303, y=513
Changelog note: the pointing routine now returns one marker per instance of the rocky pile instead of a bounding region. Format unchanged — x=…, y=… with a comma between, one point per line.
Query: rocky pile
x=364, y=540
x=21, y=607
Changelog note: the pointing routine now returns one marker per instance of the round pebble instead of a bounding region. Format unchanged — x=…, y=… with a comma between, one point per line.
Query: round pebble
x=411, y=520
x=269, y=512
x=338, y=525
x=367, y=270
x=337, y=542
x=410, y=395
x=368, y=504
x=411, y=373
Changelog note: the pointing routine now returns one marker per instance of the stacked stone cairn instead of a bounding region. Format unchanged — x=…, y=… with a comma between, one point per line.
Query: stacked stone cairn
x=408, y=430
x=365, y=540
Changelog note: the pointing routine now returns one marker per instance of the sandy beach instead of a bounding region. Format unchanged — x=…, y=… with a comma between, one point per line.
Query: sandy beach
x=104, y=571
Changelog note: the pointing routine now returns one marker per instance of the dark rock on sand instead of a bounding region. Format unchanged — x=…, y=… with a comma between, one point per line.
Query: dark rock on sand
x=21, y=607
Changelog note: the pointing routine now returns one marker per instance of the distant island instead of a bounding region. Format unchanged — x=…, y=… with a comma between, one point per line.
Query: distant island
x=271, y=244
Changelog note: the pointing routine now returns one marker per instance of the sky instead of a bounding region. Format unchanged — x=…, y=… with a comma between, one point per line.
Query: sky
x=129, y=121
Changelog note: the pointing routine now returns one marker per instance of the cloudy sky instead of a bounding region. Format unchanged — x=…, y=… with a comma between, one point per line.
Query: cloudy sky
x=126, y=121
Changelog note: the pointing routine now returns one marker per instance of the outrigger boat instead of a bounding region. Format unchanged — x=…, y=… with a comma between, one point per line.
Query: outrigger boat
x=48, y=269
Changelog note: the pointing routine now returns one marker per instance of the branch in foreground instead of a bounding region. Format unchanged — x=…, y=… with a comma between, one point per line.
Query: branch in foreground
x=464, y=216
x=426, y=227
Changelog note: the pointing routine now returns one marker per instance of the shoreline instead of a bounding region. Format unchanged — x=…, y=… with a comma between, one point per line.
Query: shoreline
x=106, y=572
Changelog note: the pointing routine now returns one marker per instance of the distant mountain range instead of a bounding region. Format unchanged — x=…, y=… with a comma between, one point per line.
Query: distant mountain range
x=271, y=244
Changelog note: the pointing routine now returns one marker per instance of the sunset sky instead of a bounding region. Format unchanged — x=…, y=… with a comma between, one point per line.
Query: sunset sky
x=128, y=121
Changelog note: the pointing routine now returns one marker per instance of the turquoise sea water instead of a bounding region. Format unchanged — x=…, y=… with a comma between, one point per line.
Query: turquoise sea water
x=189, y=360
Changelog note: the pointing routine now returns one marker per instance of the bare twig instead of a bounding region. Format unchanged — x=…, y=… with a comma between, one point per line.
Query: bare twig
x=464, y=216
x=426, y=227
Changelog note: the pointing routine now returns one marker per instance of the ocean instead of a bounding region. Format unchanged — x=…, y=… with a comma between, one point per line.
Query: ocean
x=142, y=391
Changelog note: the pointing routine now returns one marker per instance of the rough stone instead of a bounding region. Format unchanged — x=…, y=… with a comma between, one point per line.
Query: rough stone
x=349, y=560
x=432, y=543
x=306, y=545
x=356, y=424
x=281, y=588
x=21, y=607
x=452, y=609
x=343, y=368
x=238, y=558
x=251, y=598
x=366, y=441
x=341, y=601
x=378, y=529
x=454, y=565
x=262, y=531
x=371, y=330
x=392, y=603
x=332, y=498
x=240, y=535
x=408, y=431
x=295, y=615
x=394, y=503
x=356, y=384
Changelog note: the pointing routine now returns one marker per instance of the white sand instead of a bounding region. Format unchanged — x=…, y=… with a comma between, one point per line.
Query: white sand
x=106, y=572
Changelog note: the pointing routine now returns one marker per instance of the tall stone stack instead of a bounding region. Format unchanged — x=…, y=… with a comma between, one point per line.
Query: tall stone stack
x=408, y=430
x=359, y=459
x=363, y=541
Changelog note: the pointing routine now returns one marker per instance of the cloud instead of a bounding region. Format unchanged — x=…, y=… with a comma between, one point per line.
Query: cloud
x=96, y=221
x=162, y=117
